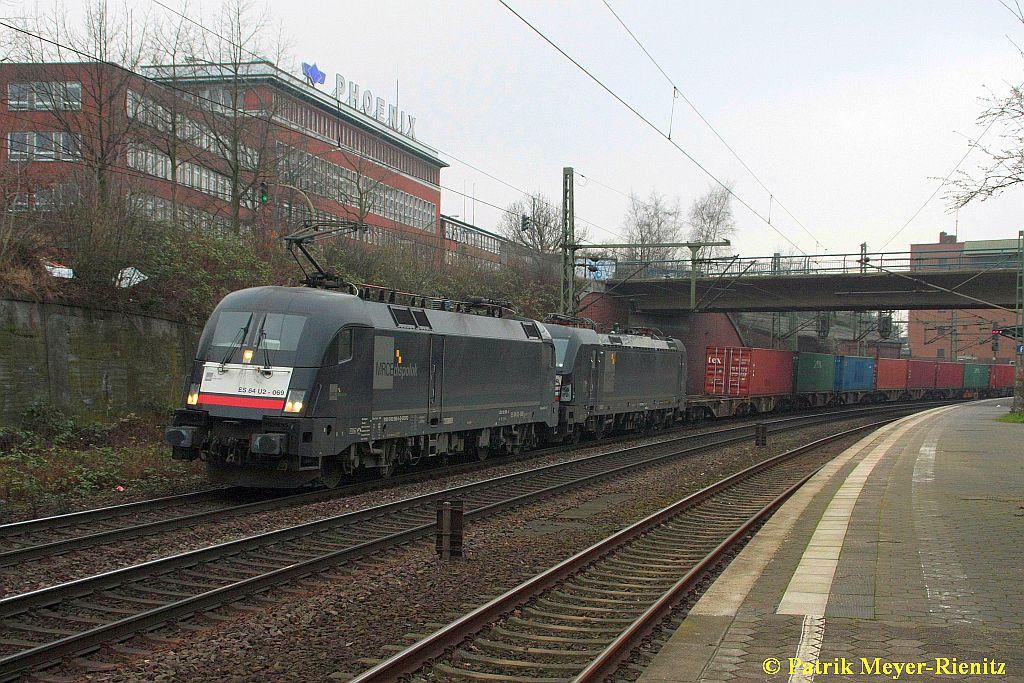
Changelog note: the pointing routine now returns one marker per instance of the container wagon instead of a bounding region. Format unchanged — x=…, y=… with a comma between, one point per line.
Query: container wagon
x=891, y=379
x=854, y=379
x=814, y=379
x=976, y=379
x=949, y=379
x=1001, y=380
x=920, y=377
x=739, y=380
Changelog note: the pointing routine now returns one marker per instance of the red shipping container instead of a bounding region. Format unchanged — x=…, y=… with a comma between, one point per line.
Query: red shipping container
x=742, y=371
x=1001, y=376
x=949, y=375
x=921, y=374
x=891, y=373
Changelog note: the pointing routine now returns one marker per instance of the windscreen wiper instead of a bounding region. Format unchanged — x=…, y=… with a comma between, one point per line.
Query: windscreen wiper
x=235, y=343
x=266, y=351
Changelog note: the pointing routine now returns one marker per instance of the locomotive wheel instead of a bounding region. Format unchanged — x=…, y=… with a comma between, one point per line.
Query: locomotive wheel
x=331, y=472
x=390, y=461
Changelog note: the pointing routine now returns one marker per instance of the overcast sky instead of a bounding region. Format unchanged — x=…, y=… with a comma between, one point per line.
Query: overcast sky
x=849, y=112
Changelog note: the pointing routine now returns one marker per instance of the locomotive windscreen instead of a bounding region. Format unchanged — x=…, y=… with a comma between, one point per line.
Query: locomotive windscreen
x=263, y=332
x=561, y=346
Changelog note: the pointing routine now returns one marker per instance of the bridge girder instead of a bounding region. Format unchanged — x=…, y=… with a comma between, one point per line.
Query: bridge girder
x=824, y=292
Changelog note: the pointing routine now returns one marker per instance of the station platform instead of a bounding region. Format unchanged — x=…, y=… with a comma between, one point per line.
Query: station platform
x=902, y=559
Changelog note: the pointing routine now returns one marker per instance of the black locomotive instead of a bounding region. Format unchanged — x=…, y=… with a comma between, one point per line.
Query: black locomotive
x=616, y=382
x=296, y=384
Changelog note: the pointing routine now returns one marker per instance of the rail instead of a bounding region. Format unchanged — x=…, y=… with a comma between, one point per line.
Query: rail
x=615, y=624
x=115, y=605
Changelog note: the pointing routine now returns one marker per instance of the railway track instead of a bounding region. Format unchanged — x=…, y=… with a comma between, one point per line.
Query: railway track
x=45, y=537
x=42, y=627
x=576, y=621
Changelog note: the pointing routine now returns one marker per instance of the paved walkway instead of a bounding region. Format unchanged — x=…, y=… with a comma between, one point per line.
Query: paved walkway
x=908, y=549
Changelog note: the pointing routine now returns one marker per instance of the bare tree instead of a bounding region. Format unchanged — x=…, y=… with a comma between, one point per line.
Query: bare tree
x=1005, y=167
x=165, y=112
x=14, y=225
x=238, y=117
x=87, y=211
x=711, y=219
x=541, y=231
x=649, y=222
x=111, y=45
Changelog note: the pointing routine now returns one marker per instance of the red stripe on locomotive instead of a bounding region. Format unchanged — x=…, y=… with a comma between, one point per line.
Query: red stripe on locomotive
x=242, y=401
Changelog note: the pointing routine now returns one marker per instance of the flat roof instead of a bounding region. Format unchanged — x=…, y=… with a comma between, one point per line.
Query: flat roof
x=469, y=226
x=199, y=73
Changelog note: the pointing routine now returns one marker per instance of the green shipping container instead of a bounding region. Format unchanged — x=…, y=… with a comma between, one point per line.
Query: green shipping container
x=815, y=372
x=975, y=376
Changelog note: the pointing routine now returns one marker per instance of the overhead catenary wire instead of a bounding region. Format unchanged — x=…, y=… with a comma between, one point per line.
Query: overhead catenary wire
x=942, y=183
x=677, y=92
x=448, y=154
x=244, y=113
x=650, y=124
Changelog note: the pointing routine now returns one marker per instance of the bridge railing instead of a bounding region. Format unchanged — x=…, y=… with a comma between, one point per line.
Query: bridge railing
x=821, y=264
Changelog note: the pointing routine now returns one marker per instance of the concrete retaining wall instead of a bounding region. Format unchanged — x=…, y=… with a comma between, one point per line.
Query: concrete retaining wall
x=90, y=363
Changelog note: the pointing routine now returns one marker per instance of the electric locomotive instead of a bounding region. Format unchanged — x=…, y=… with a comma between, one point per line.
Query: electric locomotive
x=617, y=381
x=296, y=384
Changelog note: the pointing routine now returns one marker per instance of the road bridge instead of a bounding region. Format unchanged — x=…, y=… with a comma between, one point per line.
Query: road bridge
x=822, y=282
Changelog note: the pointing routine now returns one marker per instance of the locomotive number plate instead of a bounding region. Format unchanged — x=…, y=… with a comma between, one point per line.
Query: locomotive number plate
x=245, y=380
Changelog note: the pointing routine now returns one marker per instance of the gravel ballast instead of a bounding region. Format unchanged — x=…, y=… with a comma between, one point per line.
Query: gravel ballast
x=331, y=625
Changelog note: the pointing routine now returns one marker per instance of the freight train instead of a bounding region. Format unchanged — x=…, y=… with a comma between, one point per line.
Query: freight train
x=295, y=385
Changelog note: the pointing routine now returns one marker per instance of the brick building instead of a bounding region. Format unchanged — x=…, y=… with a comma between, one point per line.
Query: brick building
x=964, y=334
x=204, y=143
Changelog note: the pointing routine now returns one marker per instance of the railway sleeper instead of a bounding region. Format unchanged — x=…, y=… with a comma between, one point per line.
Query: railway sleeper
x=503, y=663
x=588, y=609
x=562, y=628
x=581, y=618
x=607, y=591
x=484, y=676
x=527, y=649
x=587, y=599
x=539, y=637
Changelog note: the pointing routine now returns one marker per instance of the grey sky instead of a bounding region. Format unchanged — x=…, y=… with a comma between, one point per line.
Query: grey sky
x=847, y=111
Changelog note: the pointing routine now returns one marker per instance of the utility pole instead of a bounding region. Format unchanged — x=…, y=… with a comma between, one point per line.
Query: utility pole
x=1018, y=390
x=568, y=301
x=954, y=340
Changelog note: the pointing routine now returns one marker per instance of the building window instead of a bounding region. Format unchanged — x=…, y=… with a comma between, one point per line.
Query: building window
x=940, y=353
x=45, y=96
x=31, y=146
x=18, y=203
x=19, y=147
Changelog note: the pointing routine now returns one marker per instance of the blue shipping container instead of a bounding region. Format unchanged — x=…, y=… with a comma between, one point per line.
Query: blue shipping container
x=855, y=373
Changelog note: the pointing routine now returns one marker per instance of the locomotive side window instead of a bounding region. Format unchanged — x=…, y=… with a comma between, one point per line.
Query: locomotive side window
x=561, y=346
x=344, y=346
x=531, y=330
x=403, y=316
x=421, y=319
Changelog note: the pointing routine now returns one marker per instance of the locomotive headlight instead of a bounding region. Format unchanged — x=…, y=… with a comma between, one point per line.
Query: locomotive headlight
x=246, y=355
x=295, y=401
x=193, y=395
